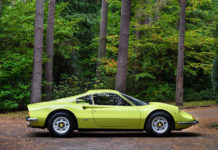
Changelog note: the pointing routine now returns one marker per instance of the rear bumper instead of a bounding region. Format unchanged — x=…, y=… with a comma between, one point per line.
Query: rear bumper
x=188, y=123
x=31, y=119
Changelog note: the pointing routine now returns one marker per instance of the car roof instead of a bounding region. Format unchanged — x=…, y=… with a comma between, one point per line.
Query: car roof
x=102, y=91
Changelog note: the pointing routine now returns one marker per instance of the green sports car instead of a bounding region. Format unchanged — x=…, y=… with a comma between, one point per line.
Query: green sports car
x=107, y=110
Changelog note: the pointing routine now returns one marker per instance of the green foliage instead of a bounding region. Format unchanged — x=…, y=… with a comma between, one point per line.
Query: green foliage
x=69, y=86
x=8, y=105
x=207, y=94
x=161, y=93
x=152, y=58
x=143, y=75
x=214, y=125
x=17, y=37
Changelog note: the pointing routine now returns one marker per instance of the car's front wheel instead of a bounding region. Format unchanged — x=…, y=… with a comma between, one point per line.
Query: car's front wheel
x=159, y=124
x=60, y=124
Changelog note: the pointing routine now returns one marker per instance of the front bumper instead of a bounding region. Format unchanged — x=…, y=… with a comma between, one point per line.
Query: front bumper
x=188, y=123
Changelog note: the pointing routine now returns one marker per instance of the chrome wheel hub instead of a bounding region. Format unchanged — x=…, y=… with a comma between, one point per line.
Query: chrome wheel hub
x=160, y=124
x=61, y=125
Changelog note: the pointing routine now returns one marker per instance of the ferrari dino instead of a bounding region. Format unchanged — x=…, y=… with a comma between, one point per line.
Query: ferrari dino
x=106, y=110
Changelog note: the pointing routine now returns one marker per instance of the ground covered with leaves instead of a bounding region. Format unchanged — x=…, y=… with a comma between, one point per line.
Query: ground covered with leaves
x=14, y=135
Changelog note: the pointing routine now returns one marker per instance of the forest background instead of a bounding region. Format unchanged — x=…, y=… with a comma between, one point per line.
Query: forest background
x=152, y=58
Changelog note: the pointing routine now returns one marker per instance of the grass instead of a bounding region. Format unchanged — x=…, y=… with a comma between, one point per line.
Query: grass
x=214, y=125
x=196, y=103
x=13, y=115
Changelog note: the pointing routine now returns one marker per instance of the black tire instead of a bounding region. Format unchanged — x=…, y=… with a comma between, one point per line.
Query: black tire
x=63, y=116
x=164, y=130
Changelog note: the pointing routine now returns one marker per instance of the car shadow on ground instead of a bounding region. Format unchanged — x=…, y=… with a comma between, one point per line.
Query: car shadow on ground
x=113, y=134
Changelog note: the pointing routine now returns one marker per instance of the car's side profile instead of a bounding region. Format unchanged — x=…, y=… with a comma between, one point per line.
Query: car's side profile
x=107, y=110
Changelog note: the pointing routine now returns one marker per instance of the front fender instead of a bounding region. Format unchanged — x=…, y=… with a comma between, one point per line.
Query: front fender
x=152, y=107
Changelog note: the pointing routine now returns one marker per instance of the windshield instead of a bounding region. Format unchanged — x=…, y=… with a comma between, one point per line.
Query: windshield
x=134, y=100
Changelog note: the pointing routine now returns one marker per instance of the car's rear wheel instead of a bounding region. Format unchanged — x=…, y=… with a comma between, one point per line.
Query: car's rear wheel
x=61, y=124
x=159, y=124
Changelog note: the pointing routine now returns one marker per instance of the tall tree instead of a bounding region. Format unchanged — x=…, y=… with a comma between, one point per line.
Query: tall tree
x=157, y=11
x=180, y=61
x=215, y=73
x=0, y=7
x=37, y=60
x=121, y=75
x=49, y=50
x=160, y=4
x=103, y=36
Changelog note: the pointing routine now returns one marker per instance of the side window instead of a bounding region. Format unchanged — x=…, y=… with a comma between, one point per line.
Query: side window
x=120, y=102
x=109, y=99
x=103, y=99
x=84, y=100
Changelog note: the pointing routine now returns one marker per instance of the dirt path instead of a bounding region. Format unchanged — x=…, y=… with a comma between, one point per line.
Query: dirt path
x=14, y=135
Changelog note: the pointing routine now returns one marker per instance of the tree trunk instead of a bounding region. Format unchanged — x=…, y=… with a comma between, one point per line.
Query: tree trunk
x=103, y=37
x=0, y=7
x=180, y=62
x=123, y=47
x=215, y=73
x=12, y=3
x=157, y=11
x=37, y=60
x=49, y=50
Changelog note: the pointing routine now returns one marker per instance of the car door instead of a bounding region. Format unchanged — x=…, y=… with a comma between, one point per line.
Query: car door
x=84, y=114
x=112, y=111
